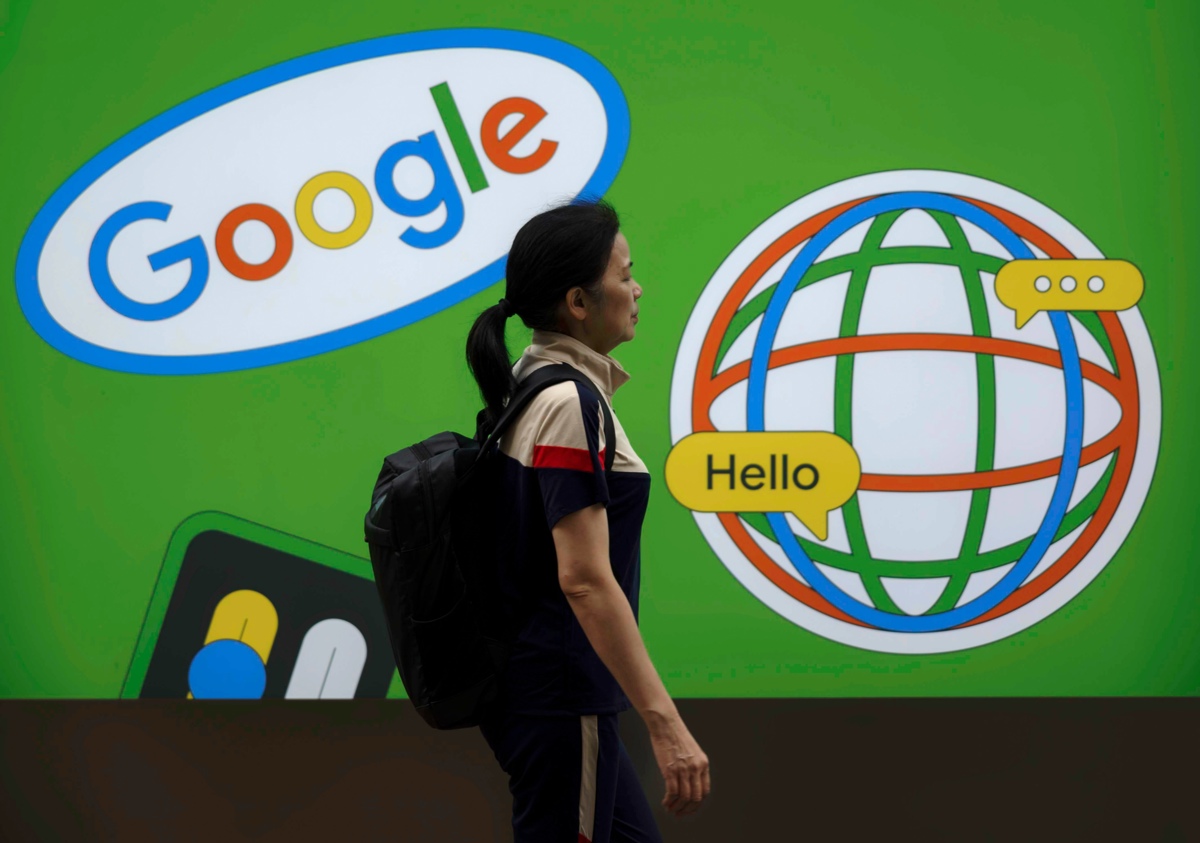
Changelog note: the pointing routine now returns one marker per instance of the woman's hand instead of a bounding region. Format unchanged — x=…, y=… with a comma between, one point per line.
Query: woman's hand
x=683, y=765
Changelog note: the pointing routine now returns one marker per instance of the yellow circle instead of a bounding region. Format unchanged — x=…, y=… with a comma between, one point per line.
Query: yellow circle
x=307, y=221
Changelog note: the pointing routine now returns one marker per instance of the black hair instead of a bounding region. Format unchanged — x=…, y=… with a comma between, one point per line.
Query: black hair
x=566, y=246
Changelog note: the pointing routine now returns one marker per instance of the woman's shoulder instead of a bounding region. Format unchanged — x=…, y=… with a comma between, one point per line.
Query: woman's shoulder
x=559, y=399
x=554, y=417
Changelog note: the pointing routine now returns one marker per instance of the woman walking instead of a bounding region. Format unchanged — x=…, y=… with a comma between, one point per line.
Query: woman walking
x=571, y=557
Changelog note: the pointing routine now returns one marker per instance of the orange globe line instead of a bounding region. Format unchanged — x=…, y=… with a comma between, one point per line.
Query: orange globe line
x=781, y=579
x=943, y=342
x=733, y=299
x=1126, y=431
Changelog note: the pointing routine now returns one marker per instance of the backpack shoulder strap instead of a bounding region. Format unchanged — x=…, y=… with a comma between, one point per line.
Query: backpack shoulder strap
x=540, y=379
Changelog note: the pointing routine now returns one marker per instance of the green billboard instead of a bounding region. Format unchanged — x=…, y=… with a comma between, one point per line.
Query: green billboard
x=246, y=243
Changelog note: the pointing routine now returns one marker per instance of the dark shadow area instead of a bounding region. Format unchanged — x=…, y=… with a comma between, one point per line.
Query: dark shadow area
x=783, y=769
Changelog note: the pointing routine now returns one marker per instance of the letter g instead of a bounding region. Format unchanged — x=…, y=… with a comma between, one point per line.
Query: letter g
x=427, y=148
x=190, y=250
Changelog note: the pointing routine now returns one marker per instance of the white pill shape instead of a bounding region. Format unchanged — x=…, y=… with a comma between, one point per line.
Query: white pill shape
x=330, y=662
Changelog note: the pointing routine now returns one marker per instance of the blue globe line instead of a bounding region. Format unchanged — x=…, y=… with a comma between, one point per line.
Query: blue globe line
x=1072, y=448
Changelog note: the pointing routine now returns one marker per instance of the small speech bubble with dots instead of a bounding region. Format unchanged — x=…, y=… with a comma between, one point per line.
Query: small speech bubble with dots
x=1031, y=286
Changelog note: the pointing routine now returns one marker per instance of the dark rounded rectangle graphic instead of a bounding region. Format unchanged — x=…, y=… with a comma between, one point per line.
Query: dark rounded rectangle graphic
x=241, y=611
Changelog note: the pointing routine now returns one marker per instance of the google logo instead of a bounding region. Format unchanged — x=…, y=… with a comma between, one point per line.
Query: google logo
x=124, y=268
x=444, y=193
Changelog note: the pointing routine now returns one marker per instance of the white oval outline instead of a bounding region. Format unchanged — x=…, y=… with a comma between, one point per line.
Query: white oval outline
x=29, y=254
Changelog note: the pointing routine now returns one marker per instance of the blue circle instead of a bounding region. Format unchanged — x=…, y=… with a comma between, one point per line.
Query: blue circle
x=1072, y=446
x=227, y=670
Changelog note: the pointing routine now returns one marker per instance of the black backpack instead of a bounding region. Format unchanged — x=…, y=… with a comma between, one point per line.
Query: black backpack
x=432, y=528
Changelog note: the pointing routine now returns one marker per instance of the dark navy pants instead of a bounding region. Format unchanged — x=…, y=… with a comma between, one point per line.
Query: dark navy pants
x=571, y=780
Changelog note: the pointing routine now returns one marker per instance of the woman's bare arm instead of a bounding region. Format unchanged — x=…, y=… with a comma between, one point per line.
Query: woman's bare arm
x=586, y=578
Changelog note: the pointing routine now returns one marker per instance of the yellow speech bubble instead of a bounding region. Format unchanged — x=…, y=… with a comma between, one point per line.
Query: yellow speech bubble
x=1030, y=286
x=808, y=473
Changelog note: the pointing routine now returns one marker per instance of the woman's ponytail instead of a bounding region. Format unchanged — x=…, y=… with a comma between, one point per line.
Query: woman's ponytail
x=487, y=357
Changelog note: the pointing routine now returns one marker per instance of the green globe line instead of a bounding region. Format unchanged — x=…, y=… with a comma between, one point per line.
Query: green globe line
x=985, y=445
x=969, y=560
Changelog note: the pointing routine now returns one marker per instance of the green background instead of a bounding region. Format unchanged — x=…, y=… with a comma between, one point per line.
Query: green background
x=737, y=110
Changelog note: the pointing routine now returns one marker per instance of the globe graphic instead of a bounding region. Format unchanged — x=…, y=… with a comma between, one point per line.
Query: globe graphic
x=994, y=459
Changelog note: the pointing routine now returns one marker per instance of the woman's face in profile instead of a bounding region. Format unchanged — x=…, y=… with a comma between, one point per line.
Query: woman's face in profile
x=616, y=315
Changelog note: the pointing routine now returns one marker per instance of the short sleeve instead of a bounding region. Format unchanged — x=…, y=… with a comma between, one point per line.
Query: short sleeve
x=568, y=451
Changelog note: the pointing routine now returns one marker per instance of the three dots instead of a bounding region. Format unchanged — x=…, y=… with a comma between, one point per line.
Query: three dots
x=1068, y=284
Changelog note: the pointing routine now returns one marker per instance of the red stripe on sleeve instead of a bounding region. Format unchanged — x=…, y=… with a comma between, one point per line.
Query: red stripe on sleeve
x=556, y=456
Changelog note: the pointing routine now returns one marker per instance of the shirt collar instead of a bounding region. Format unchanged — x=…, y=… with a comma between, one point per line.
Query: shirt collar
x=554, y=347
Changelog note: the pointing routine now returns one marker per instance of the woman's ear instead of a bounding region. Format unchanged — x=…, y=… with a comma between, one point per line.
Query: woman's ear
x=576, y=306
